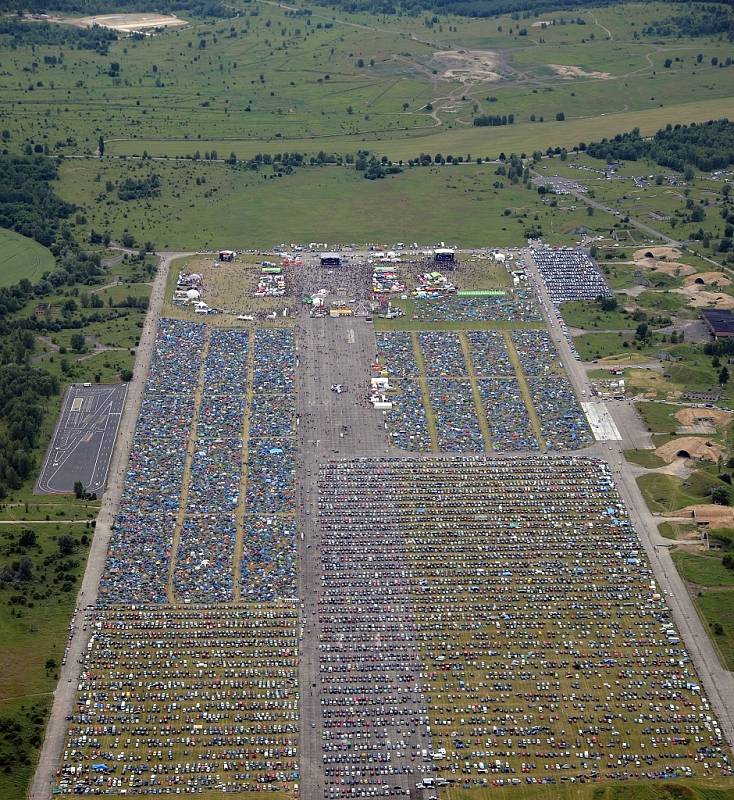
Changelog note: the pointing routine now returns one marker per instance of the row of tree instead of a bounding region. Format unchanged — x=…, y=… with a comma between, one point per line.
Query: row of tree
x=21, y=34
x=707, y=146
x=24, y=391
x=28, y=204
x=493, y=120
x=195, y=8
x=699, y=19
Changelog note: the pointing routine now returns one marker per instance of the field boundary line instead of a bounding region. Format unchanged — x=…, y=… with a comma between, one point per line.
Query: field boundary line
x=188, y=461
x=241, y=510
x=478, y=405
x=524, y=389
x=423, y=383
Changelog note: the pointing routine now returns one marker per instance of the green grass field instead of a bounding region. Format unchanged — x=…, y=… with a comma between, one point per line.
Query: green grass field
x=703, y=569
x=654, y=790
x=207, y=205
x=712, y=586
x=665, y=492
x=269, y=81
x=34, y=615
x=21, y=257
x=483, y=142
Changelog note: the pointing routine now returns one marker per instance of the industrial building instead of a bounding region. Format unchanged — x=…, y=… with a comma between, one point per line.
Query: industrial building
x=720, y=323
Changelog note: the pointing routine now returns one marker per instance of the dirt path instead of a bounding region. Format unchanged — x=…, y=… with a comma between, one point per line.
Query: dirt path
x=603, y=27
x=423, y=383
x=43, y=779
x=188, y=461
x=524, y=390
x=239, y=543
x=478, y=405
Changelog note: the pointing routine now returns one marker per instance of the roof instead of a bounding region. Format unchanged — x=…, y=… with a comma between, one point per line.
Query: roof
x=330, y=255
x=719, y=321
x=442, y=251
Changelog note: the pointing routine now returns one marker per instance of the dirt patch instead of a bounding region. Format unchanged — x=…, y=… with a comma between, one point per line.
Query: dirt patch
x=689, y=447
x=129, y=23
x=707, y=279
x=703, y=416
x=657, y=259
x=699, y=298
x=709, y=514
x=569, y=72
x=467, y=66
x=673, y=268
x=676, y=468
x=656, y=252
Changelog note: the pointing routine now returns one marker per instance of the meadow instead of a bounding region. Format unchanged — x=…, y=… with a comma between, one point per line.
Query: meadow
x=273, y=78
x=209, y=205
x=21, y=257
x=41, y=565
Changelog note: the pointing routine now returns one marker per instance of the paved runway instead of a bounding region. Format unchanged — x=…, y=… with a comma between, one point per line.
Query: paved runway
x=81, y=447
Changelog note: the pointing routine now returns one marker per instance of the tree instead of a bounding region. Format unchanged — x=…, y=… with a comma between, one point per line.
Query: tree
x=723, y=376
x=27, y=538
x=607, y=303
x=642, y=331
x=720, y=496
x=79, y=490
x=67, y=544
x=100, y=146
x=560, y=116
x=718, y=629
x=78, y=343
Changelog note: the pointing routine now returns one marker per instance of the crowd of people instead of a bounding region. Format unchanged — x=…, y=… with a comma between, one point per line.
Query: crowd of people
x=203, y=566
x=517, y=305
x=185, y=701
x=504, y=408
x=563, y=425
x=562, y=420
x=442, y=354
x=497, y=620
x=272, y=444
x=457, y=424
x=136, y=570
x=570, y=274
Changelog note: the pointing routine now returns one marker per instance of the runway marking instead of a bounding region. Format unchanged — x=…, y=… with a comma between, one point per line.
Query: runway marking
x=71, y=436
x=600, y=420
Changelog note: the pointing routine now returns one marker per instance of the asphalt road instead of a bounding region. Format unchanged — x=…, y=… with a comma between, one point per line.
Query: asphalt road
x=717, y=681
x=82, y=444
x=43, y=779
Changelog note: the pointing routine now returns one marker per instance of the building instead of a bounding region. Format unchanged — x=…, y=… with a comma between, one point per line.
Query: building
x=720, y=323
x=330, y=259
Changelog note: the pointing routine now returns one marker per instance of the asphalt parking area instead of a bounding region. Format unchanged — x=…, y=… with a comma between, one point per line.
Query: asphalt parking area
x=81, y=447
